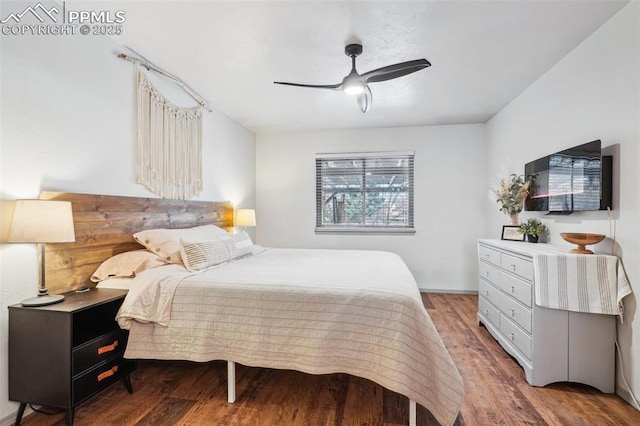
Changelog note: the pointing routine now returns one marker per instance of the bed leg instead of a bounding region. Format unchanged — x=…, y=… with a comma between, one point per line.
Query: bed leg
x=231, y=381
x=412, y=412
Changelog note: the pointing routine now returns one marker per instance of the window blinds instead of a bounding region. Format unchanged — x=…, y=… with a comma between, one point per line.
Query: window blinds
x=363, y=191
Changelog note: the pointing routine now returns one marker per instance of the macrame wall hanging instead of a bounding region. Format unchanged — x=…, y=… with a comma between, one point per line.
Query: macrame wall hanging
x=169, y=144
x=169, y=136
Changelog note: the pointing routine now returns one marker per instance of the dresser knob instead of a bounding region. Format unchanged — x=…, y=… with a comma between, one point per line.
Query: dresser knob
x=513, y=313
x=513, y=266
x=486, y=292
x=486, y=274
x=512, y=337
x=512, y=289
x=486, y=312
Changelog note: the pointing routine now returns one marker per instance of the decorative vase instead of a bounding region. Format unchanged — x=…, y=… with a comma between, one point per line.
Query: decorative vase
x=532, y=238
x=514, y=218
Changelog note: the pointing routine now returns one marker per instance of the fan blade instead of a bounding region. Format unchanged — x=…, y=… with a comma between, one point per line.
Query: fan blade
x=365, y=99
x=324, y=86
x=394, y=71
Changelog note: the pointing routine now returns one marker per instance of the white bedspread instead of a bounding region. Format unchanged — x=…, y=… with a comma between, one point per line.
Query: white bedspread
x=316, y=311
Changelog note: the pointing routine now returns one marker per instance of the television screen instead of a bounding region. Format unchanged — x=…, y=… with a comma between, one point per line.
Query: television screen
x=570, y=180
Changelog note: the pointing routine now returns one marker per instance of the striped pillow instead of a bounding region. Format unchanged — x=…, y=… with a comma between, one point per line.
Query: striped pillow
x=243, y=242
x=203, y=254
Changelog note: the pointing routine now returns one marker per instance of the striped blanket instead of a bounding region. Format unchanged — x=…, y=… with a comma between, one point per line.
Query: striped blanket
x=581, y=283
x=316, y=311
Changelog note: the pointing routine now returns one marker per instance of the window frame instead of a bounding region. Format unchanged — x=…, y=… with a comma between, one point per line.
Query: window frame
x=363, y=228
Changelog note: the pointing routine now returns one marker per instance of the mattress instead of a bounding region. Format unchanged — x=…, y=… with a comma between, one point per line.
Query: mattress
x=316, y=311
x=117, y=283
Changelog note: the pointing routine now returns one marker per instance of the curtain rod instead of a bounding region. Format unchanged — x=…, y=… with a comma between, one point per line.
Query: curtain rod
x=150, y=66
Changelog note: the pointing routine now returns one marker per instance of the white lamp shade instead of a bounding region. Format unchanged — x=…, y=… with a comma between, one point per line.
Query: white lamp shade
x=41, y=221
x=245, y=217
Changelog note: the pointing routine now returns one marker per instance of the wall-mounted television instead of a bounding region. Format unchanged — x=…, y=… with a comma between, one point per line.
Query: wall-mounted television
x=572, y=180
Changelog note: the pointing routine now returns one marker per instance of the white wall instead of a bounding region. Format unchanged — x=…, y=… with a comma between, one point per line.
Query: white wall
x=68, y=125
x=593, y=93
x=449, y=183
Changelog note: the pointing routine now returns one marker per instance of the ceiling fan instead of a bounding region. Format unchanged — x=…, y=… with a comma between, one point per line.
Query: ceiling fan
x=358, y=84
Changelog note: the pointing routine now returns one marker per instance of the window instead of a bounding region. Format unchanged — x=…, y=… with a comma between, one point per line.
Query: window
x=364, y=192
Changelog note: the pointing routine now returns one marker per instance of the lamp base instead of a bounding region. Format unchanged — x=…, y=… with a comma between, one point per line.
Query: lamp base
x=48, y=299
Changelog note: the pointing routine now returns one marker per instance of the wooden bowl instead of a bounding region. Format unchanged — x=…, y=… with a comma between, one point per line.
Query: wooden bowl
x=582, y=240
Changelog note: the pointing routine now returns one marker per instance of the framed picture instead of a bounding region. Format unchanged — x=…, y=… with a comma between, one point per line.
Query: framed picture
x=510, y=232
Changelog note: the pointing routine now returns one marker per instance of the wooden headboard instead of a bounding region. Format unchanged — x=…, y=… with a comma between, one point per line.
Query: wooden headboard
x=104, y=226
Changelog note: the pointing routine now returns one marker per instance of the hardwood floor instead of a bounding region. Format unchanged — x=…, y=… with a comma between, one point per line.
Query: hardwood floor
x=183, y=393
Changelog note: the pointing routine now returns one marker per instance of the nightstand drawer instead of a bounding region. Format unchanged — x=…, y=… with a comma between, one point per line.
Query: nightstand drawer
x=98, y=350
x=100, y=377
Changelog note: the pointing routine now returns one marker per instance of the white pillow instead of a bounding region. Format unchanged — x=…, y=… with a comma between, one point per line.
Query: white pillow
x=127, y=265
x=166, y=242
x=203, y=254
x=244, y=245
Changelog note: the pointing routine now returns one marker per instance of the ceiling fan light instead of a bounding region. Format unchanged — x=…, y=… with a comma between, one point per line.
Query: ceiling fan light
x=353, y=86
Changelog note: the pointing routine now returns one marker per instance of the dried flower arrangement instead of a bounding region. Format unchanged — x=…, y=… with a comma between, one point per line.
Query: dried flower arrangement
x=511, y=194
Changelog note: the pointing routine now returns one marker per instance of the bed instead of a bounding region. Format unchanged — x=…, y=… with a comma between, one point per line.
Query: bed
x=316, y=311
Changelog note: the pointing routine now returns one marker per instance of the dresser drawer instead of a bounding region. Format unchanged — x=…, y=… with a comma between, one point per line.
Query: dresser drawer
x=515, y=311
x=100, y=377
x=515, y=265
x=489, y=255
x=98, y=350
x=515, y=335
x=489, y=292
x=516, y=288
x=489, y=312
x=489, y=273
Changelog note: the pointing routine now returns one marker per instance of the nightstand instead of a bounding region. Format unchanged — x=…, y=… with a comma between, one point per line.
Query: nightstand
x=61, y=355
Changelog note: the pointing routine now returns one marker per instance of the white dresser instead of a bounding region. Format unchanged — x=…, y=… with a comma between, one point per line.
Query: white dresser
x=551, y=345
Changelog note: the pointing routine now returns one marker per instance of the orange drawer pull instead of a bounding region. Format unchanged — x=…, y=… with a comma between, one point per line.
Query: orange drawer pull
x=108, y=373
x=108, y=348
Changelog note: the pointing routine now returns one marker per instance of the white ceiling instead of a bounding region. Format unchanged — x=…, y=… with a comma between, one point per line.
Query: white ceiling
x=483, y=54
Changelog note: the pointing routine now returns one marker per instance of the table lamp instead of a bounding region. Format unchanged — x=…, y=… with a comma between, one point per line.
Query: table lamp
x=245, y=217
x=41, y=221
